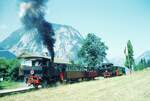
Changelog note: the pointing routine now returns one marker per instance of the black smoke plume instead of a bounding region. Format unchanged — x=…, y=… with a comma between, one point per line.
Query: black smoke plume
x=32, y=16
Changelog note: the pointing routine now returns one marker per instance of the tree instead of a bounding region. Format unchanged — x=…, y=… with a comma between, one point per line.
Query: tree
x=148, y=63
x=14, y=69
x=92, y=52
x=141, y=65
x=9, y=69
x=129, y=62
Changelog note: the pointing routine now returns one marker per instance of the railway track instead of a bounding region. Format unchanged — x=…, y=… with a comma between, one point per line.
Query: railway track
x=14, y=91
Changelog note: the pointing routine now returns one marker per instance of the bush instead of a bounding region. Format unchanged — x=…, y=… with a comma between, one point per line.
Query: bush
x=9, y=69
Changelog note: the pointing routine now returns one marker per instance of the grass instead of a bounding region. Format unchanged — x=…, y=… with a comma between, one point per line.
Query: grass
x=9, y=85
x=135, y=87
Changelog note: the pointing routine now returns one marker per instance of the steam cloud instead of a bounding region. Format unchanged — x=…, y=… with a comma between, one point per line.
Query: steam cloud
x=32, y=16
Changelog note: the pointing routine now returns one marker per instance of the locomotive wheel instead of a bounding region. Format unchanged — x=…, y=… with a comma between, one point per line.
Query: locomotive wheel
x=44, y=84
x=35, y=86
x=26, y=79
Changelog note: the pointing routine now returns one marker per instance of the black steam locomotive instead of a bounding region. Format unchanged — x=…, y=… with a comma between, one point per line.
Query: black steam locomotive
x=39, y=70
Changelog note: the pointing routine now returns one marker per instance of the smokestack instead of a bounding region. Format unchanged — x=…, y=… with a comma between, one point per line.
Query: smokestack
x=32, y=16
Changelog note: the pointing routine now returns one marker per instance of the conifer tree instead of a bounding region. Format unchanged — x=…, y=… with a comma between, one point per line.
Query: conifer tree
x=129, y=53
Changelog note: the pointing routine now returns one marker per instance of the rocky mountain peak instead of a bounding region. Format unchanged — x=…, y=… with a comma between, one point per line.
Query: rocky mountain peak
x=68, y=42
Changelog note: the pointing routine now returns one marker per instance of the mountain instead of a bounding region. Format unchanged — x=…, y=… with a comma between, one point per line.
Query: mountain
x=6, y=54
x=145, y=55
x=68, y=42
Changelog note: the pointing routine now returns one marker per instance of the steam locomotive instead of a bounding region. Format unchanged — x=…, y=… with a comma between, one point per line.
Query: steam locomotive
x=39, y=70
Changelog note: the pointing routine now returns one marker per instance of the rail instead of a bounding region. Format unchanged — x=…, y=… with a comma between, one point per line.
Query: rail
x=12, y=91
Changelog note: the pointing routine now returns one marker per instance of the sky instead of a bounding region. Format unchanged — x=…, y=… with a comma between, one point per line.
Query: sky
x=114, y=21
